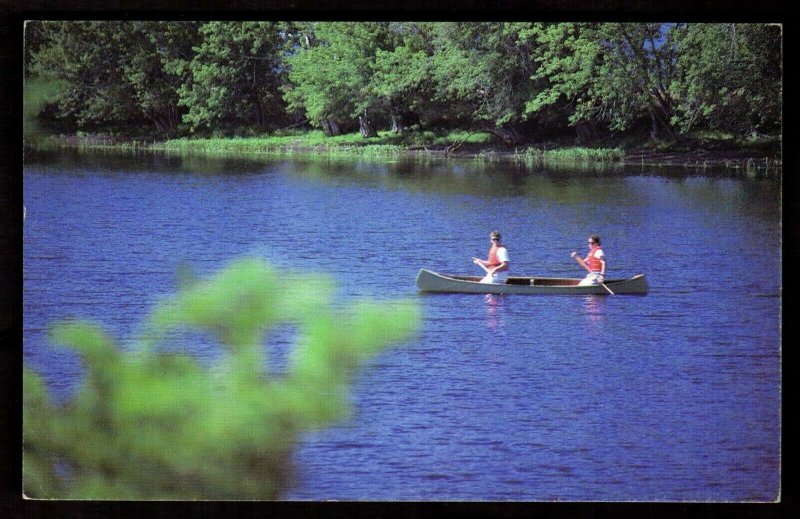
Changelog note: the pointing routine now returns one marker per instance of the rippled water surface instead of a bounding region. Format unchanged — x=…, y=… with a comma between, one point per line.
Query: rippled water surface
x=670, y=396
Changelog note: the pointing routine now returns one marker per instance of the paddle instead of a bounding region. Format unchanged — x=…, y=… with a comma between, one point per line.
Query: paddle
x=481, y=265
x=583, y=264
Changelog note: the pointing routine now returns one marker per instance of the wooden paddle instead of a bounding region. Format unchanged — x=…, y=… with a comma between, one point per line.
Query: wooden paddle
x=583, y=264
x=481, y=265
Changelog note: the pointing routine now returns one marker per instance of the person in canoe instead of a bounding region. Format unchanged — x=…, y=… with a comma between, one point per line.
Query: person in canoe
x=496, y=266
x=594, y=262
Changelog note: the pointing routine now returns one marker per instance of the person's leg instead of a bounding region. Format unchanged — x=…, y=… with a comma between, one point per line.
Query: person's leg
x=500, y=278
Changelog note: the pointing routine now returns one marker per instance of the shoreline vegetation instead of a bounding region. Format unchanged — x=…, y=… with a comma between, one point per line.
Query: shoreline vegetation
x=578, y=96
x=756, y=156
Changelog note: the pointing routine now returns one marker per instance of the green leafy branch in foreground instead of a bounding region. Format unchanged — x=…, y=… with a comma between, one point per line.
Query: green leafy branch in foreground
x=152, y=424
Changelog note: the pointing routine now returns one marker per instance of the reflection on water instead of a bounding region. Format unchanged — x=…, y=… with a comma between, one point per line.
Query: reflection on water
x=494, y=311
x=594, y=313
x=453, y=175
x=595, y=307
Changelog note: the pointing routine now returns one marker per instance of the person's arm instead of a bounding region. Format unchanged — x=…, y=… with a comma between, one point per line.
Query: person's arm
x=582, y=262
x=500, y=268
x=602, y=258
x=502, y=256
x=481, y=264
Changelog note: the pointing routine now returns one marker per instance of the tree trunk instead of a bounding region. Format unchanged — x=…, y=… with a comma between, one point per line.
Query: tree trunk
x=258, y=113
x=173, y=117
x=509, y=136
x=661, y=129
x=161, y=121
x=660, y=115
x=397, y=125
x=365, y=127
x=330, y=127
x=585, y=133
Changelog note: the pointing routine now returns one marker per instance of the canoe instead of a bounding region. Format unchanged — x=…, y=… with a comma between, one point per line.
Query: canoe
x=429, y=281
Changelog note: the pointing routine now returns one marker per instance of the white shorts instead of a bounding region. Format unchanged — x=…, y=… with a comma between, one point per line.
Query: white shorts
x=593, y=278
x=499, y=278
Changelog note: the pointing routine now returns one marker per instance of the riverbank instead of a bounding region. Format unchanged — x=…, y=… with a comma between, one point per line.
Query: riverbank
x=725, y=158
x=760, y=156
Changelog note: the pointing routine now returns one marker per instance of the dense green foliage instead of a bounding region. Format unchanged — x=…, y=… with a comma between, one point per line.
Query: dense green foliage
x=520, y=81
x=153, y=423
x=729, y=78
x=611, y=73
x=234, y=76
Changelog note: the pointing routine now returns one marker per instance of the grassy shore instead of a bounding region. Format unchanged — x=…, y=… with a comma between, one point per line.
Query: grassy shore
x=482, y=146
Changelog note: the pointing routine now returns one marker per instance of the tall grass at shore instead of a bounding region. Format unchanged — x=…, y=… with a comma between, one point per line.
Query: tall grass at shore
x=537, y=157
x=386, y=143
x=414, y=144
x=280, y=145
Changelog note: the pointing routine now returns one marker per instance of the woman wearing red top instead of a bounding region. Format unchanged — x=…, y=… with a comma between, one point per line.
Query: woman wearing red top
x=595, y=262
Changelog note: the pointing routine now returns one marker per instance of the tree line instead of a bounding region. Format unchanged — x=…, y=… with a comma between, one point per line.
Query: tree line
x=523, y=82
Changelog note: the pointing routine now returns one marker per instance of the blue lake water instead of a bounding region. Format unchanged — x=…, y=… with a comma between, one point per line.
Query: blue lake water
x=674, y=396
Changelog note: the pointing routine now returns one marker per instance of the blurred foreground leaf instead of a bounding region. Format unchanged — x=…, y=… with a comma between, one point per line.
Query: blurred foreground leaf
x=153, y=425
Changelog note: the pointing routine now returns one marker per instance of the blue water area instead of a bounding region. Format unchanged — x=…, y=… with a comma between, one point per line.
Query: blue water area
x=672, y=396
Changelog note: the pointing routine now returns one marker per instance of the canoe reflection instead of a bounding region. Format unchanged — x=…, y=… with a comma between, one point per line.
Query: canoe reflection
x=494, y=310
x=595, y=307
